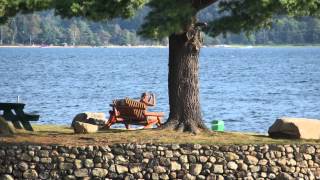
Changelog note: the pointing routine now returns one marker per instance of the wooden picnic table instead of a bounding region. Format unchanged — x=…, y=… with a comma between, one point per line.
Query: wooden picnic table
x=14, y=112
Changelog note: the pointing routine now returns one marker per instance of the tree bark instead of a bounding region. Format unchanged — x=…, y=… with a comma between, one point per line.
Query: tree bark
x=183, y=84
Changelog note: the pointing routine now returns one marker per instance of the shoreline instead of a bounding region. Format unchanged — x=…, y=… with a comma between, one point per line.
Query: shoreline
x=147, y=46
x=67, y=47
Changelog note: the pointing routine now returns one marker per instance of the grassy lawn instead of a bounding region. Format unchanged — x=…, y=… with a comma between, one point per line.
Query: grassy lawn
x=63, y=135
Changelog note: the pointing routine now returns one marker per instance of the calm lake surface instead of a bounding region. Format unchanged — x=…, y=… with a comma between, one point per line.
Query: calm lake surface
x=248, y=88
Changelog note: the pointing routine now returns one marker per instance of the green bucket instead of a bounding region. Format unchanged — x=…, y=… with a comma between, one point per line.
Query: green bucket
x=217, y=125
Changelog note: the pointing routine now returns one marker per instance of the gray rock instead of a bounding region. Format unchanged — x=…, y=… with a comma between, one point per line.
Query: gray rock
x=299, y=128
x=83, y=128
x=212, y=159
x=175, y=166
x=186, y=151
x=46, y=160
x=164, y=161
x=148, y=155
x=121, y=169
x=30, y=174
x=44, y=175
x=112, y=168
x=282, y=161
x=208, y=152
x=169, y=154
x=65, y=166
x=272, y=176
x=23, y=166
x=5, y=128
x=108, y=156
x=263, y=162
x=88, y=163
x=192, y=159
x=183, y=159
x=307, y=156
x=218, y=168
x=6, y=177
x=185, y=166
x=232, y=165
x=161, y=148
x=120, y=159
x=254, y=168
x=134, y=168
x=95, y=118
x=159, y=169
x=195, y=169
x=203, y=159
x=154, y=176
x=70, y=177
x=81, y=172
x=164, y=177
x=176, y=154
x=44, y=153
x=99, y=172
x=78, y=164
x=291, y=162
x=175, y=146
x=25, y=157
x=207, y=165
x=251, y=160
x=289, y=149
x=189, y=177
x=173, y=175
x=2, y=153
x=302, y=164
x=284, y=176
x=231, y=156
x=197, y=146
x=308, y=149
x=242, y=166
x=201, y=177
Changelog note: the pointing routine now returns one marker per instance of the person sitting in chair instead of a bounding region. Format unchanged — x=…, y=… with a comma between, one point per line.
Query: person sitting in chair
x=148, y=99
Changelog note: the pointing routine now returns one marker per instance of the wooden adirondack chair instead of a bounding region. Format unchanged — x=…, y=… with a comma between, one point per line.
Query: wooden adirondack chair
x=129, y=111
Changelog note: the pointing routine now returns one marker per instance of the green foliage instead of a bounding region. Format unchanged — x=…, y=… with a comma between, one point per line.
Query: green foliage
x=252, y=15
x=92, y=9
x=98, y=9
x=167, y=17
x=45, y=28
x=9, y=8
x=171, y=16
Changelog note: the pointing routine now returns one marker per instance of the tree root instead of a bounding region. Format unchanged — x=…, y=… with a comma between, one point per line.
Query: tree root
x=182, y=126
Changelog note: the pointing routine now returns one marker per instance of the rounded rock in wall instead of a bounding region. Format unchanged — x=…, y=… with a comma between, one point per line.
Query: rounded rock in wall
x=6, y=177
x=284, y=176
x=232, y=165
x=23, y=166
x=195, y=169
x=99, y=172
x=30, y=174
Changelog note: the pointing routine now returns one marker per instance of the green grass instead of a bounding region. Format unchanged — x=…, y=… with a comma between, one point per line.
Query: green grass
x=63, y=135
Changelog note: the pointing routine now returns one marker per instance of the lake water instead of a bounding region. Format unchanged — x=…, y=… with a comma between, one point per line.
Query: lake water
x=248, y=88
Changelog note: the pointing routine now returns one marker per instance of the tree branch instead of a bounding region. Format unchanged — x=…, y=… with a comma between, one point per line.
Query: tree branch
x=201, y=4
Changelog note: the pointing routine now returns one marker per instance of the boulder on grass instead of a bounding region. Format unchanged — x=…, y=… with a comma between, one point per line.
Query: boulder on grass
x=83, y=128
x=295, y=128
x=5, y=128
x=95, y=118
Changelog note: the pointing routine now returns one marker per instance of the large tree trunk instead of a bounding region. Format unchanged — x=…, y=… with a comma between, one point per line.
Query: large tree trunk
x=185, y=112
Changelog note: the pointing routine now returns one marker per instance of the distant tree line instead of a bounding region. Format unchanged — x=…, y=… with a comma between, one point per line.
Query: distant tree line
x=46, y=29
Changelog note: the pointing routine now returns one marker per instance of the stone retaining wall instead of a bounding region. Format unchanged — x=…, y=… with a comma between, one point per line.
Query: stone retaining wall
x=149, y=161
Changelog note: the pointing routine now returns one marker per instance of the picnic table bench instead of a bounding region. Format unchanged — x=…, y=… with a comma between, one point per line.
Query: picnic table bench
x=14, y=112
